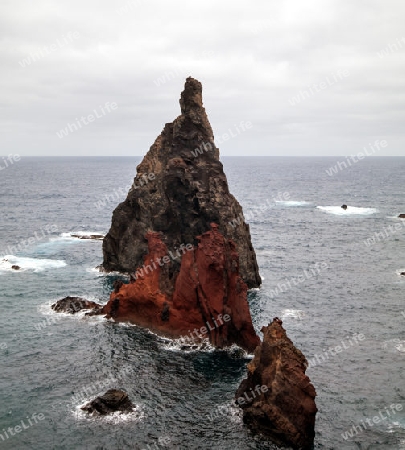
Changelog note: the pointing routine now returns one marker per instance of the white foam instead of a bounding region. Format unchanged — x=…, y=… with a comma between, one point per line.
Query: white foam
x=77, y=235
x=292, y=203
x=181, y=345
x=294, y=313
x=351, y=210
x=37, y=265
x=393, y=345
x=136, y=415
x=229, y=410
x=399, y=219
x=95, y=271
x=99, y=272
x=46, y=308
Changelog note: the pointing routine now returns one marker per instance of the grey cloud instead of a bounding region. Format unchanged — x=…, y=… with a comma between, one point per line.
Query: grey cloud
x=252, y=59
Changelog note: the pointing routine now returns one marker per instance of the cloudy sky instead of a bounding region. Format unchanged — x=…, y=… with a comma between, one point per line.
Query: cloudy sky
x=314, y=77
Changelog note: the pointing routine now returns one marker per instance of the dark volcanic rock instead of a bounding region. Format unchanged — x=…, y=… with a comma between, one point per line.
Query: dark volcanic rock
x=73, y=305
x=15, y=267
x=180, y=188
x=209, y=299
x=113, y=400
x=277, y=397
x=402, y=273
x=344, y=206
x=402, y=216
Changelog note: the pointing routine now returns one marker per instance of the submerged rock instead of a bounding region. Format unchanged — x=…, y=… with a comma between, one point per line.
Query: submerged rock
x=112, y=401
x=180, y=188
x=72, y=305
x=277, y=398
x=209, y=299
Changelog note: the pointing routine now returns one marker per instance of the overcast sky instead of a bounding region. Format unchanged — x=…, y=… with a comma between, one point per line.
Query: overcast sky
x=314, y=77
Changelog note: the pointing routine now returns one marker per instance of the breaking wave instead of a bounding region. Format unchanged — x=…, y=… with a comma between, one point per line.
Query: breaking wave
x=351, y=210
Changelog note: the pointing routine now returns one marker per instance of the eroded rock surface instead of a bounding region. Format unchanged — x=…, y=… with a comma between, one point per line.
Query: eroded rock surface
x=72, y=305
x=180, y=188
x=112, y=401
x=209, y=299
x=277, y=397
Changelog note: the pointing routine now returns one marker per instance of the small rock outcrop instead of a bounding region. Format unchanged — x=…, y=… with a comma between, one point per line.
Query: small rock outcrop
x=344, y=207
x=209, y=299
x=112, y=401
x=401, y=216
x=15, y=267
x=277, y=398
x=72, y=305
x=180, y=188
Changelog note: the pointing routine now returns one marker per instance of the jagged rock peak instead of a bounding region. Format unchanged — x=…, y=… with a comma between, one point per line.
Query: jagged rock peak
x=191, y=97
x=192, y=109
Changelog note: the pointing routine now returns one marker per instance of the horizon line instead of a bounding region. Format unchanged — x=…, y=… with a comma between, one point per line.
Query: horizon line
x=221, y=156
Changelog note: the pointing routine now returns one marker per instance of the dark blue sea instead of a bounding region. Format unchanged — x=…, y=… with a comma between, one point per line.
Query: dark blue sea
x=332, y=276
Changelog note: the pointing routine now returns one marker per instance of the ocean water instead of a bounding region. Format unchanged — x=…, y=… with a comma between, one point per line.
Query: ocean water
x=335, y=283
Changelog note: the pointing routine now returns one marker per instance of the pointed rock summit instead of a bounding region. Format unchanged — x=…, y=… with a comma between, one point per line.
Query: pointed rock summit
x=179, y=190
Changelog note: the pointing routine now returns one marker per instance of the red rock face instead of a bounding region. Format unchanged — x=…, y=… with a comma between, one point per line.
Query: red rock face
x=277, y=397
x=209, y=299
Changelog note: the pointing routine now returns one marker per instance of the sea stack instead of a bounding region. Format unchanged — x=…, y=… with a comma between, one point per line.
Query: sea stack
x=180, y=188
x=277, y=397
x=175, y=234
